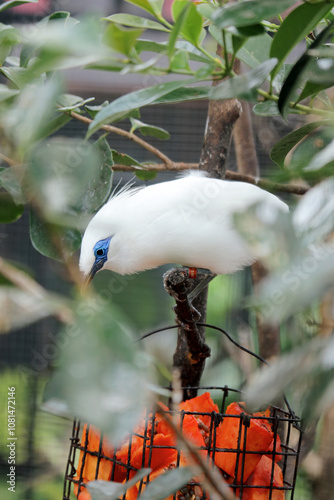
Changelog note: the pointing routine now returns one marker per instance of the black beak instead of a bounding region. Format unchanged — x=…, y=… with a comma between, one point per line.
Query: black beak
x=98, y=264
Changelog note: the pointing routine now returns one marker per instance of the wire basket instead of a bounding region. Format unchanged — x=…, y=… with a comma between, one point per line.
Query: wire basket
x=229, y=442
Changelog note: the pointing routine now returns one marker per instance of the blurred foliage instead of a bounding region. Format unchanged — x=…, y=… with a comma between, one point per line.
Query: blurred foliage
x=64, y=181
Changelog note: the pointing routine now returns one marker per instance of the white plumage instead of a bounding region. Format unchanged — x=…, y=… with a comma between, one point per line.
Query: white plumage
x=187, y=221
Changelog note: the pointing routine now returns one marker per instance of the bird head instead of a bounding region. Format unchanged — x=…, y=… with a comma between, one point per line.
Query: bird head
x=94, y=253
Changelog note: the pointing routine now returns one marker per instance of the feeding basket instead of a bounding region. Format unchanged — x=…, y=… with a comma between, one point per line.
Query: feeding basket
x=256, y=454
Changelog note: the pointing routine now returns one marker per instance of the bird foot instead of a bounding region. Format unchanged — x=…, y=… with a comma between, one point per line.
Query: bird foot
x=205, y=275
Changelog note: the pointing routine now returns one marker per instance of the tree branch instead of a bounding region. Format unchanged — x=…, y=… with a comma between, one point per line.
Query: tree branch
x=129, y=135
x=229, y=175
x=191, y=350
x=24, y=282
x=5, y=158
x=247, y=161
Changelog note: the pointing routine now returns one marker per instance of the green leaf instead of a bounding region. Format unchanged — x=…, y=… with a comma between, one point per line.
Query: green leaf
x=123, y=159
x=180, y=61
x=167, y=484
x=162, y=48
x=314, y=154
x=14, y=3
x=191, y=26
x=93, y=110
x=254, y=52
x=295, y=27
x=54, y=124
x=154, y=7
x=284, y=145
x=80, y=102
x=248, y=13
x=149, y=66
x=151, y=46
x=109, y=64
x=184, y=94
x=98, y=190
x=61, y=44
x=118, y=108
x=177, y=28
x=11, y=179
x=135, y=22
x=297, y=72
x=66, y=101
x=9, y=210
x=266, y=108
x=321, y=71
x=69, y=177
x=120, y=39
x=247, y=31
x=19, y=76
x=25, y=124
x=42, y=237
x=117, y=379
x=108, y=490
x=146, y=175
x=151, y=130
x=243, y=86
x=6, y=93
x=9, y=35
x=26, y=54
x=312, y=89
x=237, y=43
x=205, y=71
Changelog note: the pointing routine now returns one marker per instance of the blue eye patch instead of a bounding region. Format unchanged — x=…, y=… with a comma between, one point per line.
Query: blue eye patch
x=101, y=249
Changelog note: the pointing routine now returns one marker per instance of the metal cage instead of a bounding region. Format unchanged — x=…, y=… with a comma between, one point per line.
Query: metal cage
x=286, y=429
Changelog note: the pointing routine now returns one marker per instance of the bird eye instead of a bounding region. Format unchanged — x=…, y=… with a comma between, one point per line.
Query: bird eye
x=99, y=252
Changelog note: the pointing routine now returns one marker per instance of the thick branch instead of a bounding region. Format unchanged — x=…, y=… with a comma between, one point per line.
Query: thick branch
x=247, y=161
x=222, y=116
x=191, y=350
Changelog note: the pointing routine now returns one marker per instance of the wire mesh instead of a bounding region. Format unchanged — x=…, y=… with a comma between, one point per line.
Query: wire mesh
x=90, y=451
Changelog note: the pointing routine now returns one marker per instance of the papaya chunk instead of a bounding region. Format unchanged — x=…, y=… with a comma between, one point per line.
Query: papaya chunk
x=202, y=404
x=258, y=439
x=84, y=495
x=163, y=453
x=278, y=447
x=88, y=463
x=261, y=476
x=243, y=449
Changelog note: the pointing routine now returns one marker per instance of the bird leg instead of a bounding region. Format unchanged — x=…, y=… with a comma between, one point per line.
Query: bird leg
x=206, y=277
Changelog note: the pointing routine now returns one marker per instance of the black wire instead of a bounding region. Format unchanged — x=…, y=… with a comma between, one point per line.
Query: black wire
x=213, y=328
x=257, y=356
x=156, y=331
x=234, y=342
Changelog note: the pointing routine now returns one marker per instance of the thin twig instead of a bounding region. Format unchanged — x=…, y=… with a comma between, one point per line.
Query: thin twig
x=5, y=158
x=216, y=482
x=24, y=282
x=21, y=279
x=129, y=135
x=230, y=175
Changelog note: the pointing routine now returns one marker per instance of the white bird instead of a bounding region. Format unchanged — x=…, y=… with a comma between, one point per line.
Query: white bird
x=187, y=221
